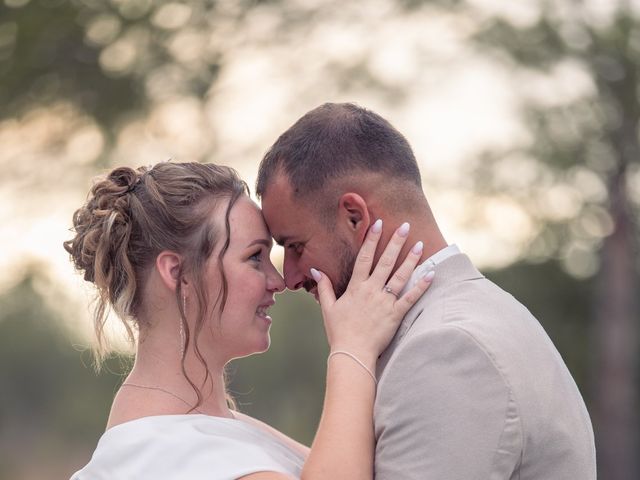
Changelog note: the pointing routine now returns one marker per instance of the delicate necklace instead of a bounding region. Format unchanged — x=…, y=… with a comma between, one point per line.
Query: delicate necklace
x=149, y=387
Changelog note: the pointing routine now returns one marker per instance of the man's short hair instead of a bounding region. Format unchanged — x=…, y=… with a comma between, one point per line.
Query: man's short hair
x=336, y=140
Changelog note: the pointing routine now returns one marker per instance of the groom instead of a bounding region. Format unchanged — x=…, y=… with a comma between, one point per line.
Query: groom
x=471, y=387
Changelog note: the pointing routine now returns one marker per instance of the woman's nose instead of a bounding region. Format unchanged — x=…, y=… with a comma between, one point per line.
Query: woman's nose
x=276, y=282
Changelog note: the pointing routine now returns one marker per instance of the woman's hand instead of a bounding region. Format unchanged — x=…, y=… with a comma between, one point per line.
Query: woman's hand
x=365, y=318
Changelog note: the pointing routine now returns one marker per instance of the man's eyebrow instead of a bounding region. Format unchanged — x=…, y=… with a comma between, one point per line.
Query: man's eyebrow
x=261, y=241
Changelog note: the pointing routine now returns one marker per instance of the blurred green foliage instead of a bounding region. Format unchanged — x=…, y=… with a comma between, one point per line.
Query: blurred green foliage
x=46, y=59
x=52, y=406
x=586, y=140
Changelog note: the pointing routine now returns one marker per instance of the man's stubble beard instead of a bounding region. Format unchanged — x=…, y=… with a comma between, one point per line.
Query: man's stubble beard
x=346, y=263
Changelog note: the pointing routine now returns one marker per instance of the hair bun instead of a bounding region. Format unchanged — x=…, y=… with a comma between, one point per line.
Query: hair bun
x=125, y=177
x=103, y=222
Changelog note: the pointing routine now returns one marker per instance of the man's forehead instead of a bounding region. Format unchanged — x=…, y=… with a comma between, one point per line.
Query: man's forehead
x=288, y=228
x=276, y=207
x=278, y=201
x=279, y=184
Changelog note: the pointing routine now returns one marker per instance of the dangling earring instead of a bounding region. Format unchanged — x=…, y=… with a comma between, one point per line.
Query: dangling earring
x=183, y=337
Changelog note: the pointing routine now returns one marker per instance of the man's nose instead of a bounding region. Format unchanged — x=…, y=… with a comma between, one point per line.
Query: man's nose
x=293, y=277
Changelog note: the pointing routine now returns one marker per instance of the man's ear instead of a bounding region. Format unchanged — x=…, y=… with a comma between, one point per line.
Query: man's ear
x=168, y=266
x=353, y=213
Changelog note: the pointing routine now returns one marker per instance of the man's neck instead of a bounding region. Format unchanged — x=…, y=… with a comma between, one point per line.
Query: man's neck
x=421, y=230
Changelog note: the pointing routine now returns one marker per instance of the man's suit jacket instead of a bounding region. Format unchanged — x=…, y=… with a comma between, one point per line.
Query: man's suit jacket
x=471, y=387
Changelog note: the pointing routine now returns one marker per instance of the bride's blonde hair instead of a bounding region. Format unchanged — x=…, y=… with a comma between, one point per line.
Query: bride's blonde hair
x=131, y=216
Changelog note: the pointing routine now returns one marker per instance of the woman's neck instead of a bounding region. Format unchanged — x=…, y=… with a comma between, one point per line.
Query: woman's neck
x=158, y=369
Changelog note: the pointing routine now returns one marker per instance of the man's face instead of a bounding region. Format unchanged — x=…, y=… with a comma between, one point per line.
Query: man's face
x=307, y=241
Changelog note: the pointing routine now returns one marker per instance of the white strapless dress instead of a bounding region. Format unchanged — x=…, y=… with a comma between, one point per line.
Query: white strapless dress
x=168, y=447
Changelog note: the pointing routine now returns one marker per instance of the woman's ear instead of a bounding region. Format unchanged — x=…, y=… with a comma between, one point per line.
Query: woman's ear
x=168, y=266
x=353, y=213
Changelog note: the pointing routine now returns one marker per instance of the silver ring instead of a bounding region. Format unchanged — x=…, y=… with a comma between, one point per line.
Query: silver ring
x=388, y=289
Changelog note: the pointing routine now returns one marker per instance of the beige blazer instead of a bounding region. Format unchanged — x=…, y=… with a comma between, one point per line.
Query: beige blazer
x=471, y=387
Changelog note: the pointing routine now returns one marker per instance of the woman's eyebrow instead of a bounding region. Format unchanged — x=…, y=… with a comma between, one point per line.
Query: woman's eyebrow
x=261, y=241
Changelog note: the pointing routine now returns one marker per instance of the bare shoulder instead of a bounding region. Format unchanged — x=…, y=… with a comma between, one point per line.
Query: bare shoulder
x=267, y=476
x=293, y=444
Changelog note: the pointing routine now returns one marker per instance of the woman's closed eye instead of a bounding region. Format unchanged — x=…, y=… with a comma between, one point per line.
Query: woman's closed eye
x=256, y=256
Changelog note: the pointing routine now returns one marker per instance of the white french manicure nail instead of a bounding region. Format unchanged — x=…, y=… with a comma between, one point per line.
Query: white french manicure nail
x=429, y=276
x=377, y=226
x=417, y=248
x=315, y=274
x=403, y=230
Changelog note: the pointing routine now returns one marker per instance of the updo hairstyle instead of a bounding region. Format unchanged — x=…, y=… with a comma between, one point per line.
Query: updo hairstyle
x=130, y=217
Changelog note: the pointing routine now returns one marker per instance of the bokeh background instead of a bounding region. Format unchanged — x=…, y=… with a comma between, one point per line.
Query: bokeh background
x=523, y=115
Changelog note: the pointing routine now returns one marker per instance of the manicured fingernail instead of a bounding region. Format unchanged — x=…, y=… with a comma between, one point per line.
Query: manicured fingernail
x=377, y=226
x=429, y=276
x=417, y=248
x=315, y=274
x=403, y=231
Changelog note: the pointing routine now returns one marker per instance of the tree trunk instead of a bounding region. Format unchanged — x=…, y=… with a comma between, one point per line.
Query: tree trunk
x=616, y=336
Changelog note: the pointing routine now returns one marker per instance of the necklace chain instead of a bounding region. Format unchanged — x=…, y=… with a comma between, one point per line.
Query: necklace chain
x=149, y=387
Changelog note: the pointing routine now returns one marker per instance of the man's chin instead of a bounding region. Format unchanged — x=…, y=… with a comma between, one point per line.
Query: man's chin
x=314, y=292
x=338, y=292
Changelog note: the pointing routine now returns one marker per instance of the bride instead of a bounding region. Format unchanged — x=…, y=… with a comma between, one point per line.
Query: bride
x=181, y=254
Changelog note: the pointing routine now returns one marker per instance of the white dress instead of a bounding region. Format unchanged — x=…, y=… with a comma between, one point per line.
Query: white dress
x=167, y=447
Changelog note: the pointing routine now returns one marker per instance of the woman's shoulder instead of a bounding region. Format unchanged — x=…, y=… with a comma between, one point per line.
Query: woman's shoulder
x=187, y=446
x=290, y=442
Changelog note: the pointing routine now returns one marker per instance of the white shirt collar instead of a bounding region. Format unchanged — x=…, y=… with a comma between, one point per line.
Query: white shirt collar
x=429, y=264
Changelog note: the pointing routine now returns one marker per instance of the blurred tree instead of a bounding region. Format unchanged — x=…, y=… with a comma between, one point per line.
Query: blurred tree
x=53, y=407
x=109, y=59
x=575, y=176
x=49, y=55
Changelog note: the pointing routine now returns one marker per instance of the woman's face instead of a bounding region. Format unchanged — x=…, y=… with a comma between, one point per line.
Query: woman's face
x=252, y=280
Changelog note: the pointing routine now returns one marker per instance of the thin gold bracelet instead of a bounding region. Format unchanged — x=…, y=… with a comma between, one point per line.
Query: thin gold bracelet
x=351, y=355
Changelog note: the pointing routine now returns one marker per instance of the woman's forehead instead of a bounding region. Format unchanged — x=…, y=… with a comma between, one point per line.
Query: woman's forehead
x=246, y=220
